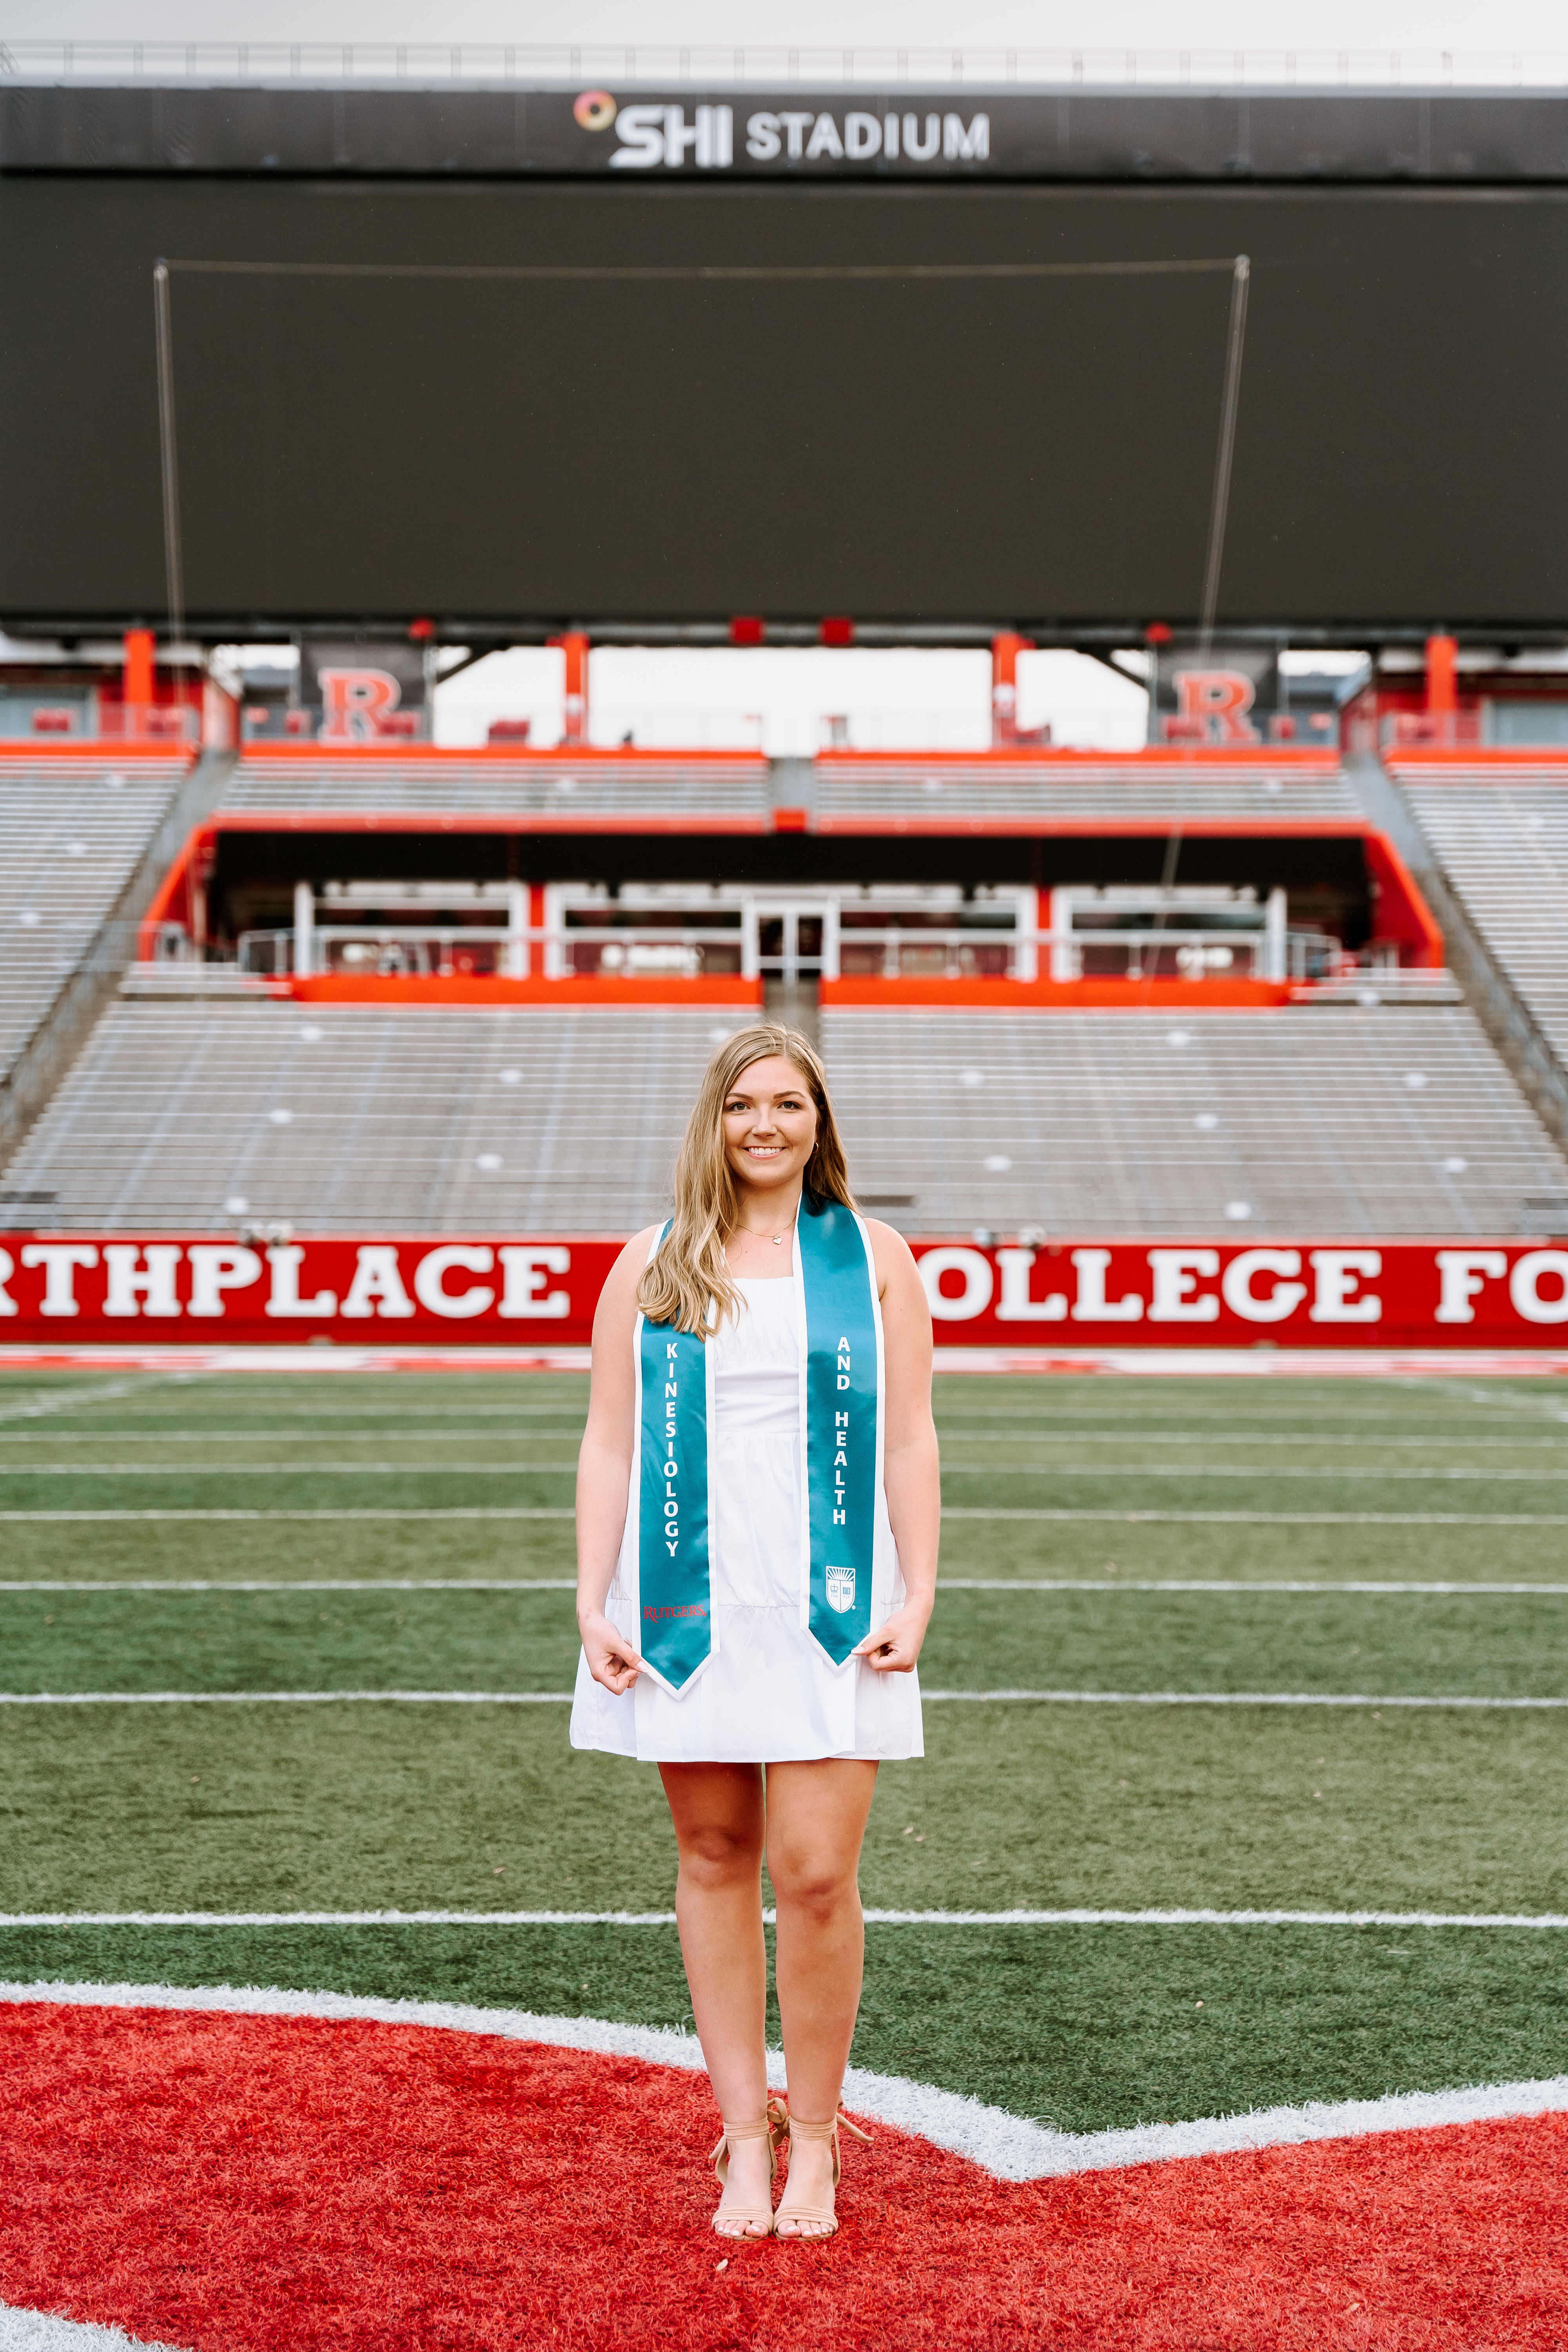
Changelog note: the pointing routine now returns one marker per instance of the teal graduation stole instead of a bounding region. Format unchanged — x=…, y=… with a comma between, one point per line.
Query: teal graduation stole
x=841, y=1375
x=671, y=1480
x=841, y=1423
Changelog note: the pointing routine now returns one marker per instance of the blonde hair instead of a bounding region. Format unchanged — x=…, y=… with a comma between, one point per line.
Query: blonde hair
x=687, y=1282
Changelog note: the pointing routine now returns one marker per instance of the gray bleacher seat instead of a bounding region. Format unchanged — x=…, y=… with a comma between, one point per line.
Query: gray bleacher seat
x=1500, y=834
x=1092, y=785
x=173, y=1110
x=72, y=828
x=367, y=1117
x=384, y=783
x=1325, y=1120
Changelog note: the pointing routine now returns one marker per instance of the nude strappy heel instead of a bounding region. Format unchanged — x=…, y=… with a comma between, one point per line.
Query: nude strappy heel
x=823, y=2219
x=771, y=2126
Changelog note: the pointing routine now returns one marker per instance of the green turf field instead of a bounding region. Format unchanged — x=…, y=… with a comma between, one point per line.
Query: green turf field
x=1108, y=1543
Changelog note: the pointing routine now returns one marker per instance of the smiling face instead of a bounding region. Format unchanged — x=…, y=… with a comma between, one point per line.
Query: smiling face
x=769, y=1126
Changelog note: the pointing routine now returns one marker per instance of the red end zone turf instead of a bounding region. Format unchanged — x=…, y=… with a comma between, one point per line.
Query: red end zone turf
x=257, y=2184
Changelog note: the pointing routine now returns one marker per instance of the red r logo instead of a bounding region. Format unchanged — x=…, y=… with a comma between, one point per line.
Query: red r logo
x=1219, y=699
x=355, y=702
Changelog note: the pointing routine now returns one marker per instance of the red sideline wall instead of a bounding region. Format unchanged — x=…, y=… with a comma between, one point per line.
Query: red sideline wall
x=77, y=1289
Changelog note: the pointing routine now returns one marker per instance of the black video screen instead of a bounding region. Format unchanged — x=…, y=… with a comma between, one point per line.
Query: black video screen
x=534, y=401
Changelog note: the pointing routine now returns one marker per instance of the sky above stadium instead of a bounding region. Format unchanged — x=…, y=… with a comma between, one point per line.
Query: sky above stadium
x=1414, y=25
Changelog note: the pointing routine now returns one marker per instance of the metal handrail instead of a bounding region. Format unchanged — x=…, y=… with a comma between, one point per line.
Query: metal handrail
x=519, y=939
x=890, y=939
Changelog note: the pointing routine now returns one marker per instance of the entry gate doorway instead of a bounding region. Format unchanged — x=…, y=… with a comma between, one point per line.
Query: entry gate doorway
x=797, y=940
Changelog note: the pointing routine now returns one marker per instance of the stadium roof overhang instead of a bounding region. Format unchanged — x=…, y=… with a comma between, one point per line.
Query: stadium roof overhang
x=389, y=126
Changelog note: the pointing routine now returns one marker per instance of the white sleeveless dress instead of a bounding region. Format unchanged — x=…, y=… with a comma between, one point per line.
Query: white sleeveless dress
x=769, y=1696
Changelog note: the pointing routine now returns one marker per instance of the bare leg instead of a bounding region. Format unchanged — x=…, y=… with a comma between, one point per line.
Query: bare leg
x=718, y=1815
x=816, y=1822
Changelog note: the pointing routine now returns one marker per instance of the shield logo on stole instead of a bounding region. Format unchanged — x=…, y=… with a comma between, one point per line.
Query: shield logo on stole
x=841, y=1589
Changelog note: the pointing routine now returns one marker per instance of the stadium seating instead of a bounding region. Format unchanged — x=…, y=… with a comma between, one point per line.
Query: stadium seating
x=1502, y=837
x=442, y=782
x=71, y=831
x=1348, y=1119
x=1344, y=1119
x=1186, y=785
x=359, y=1117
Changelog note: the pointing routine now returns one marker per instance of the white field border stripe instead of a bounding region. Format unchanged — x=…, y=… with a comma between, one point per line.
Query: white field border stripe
x=1376, y=1699
x=1173, y=1916
x=44, y=2331
x=1316, y=1364
x=1010, y=2147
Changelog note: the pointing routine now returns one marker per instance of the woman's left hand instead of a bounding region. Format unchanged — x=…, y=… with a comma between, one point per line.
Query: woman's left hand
x=895, y=1645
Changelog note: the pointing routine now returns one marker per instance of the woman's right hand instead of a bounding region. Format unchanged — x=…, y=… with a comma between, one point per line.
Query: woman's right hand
x=611, y=1657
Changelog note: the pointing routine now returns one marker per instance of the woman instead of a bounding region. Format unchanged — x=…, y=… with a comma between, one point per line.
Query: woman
x=758, y=1498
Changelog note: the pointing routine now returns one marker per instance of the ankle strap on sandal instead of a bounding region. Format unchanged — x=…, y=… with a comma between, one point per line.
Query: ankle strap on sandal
x=772, y=2124
x=799, y=2130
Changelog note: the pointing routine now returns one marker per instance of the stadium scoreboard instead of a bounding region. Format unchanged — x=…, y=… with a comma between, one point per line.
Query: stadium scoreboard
x=514, y=358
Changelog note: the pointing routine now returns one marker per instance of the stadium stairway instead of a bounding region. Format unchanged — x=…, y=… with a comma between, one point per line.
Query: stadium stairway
x=1327, y=1119
x=84, y=842
x=1501, y=840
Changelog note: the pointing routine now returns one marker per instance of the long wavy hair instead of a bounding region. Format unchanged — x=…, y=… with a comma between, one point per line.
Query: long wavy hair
x=688, y=1283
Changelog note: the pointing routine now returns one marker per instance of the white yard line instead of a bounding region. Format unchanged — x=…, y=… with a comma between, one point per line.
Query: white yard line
x=416, y=1512
x=346, y=1470
x=1096, y=1472
x=1262, y=1474
x=1221, y=1436
x=1218, y=1698
x=320, y=1584
x=1172, y=1916
x=287, y=1438
x=454, y=1511
x=1226, y=1437
x=932, y=1697
x=44, y=1402
x=1167, y=1916
x=568, y=1584
x=1174, y=1584
x=1238, y=1518
x=1008, y=2147
x=419, y=1512
x=288, y=1698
